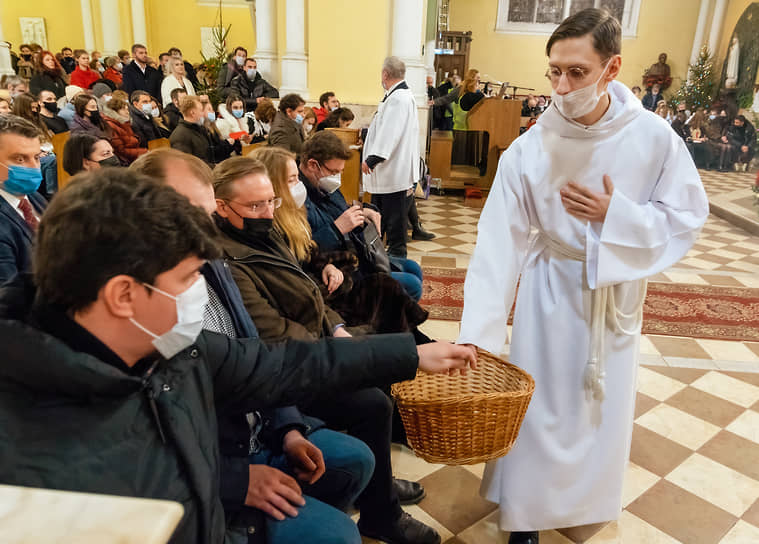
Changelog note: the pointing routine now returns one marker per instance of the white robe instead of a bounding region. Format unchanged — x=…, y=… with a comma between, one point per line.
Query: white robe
x=567, y=466
x=394, y=136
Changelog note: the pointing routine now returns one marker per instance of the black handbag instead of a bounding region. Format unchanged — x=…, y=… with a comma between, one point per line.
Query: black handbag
x=370, y=249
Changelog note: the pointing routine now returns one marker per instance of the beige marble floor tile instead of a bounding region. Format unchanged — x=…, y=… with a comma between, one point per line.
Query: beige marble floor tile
x=478, y=469
x=633, y=530
x=716, y=483
x=462, y=262
x=737, y=391
x=727, y=254
x=438, y=329
x=678, y=426
x=407, y=466
x=688, y=362
x=467, y=237
x=749, y=281
x=725, y=350
x=682, y=277
x=746, y=425
x=741, y=533
x=746, y=267
x=738, y=366
x=656, y=385
x=485, y=530
x=647, y=347
x=637, y=481
x=608, y=535
x=699, y=263
x=676, y=346
x=651, y=359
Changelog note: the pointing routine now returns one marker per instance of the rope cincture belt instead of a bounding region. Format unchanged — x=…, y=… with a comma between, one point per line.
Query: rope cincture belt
x=603, y=310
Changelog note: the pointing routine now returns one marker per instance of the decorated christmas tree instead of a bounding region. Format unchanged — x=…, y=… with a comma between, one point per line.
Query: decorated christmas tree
x=212, y=65
x=698, y=90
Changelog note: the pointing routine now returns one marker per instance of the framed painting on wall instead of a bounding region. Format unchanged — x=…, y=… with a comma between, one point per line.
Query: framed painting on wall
x=33, y=30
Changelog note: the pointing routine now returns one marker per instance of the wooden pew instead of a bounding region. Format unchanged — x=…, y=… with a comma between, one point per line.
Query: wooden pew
x=59, y=141
x=351, y=176
x=501, y=119
x=441, y=145
x=158, y=143
x=247, y=148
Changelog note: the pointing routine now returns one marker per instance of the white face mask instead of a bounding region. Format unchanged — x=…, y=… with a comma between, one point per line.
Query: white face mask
x=307, y=127
x=298, y=192
x=580, y=102
x=155, y=112
x=331, y=183
x=190, y=307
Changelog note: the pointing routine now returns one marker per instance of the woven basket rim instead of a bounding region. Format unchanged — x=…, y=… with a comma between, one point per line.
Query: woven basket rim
x=469, y=397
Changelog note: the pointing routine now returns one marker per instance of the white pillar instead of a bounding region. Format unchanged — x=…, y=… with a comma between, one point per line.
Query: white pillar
x=139, y=28
x=406, y=44
x=111, y=26
x=698, y=38
x=89, y=32
x=6, y=67
x=295, y=61
x=717, y=19
x=264, y=13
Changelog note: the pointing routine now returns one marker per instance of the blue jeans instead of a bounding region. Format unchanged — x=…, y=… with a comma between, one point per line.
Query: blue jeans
x=49, y=167
x=410, y=276
x=349, y=465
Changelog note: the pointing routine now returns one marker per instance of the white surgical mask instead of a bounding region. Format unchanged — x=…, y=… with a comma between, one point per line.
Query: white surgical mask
x=298, y=192
x=190, y=308
x=155, y=112
x=307, y=127
x=331, y=183
x=580, y=102
x=240, y=60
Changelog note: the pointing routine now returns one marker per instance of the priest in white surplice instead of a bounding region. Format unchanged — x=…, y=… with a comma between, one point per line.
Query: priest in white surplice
x=593, y=199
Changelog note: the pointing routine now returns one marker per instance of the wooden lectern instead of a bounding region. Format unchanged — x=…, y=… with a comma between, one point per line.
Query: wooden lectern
x=351, y=176
x=500, y=119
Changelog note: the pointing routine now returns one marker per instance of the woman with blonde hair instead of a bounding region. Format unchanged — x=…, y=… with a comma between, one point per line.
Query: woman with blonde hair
x=176, y=79
x=663, y=111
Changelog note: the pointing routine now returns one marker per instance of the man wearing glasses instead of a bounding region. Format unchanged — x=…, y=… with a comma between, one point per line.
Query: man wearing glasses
x=614, y=197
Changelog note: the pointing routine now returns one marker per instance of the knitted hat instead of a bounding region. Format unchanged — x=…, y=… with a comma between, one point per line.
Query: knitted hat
x=99, y=89
x=72, y=91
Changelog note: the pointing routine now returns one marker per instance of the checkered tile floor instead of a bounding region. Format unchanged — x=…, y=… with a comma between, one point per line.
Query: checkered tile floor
x=693, y=475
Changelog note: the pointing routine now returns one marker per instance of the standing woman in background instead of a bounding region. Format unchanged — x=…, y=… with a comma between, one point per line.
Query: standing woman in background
x=475, y=148
x=49, y=76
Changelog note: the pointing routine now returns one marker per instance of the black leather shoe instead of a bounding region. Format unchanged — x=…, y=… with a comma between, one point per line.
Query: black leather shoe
x=420, y=234
x=524, y=537
x=408, y=492
x=406, y=530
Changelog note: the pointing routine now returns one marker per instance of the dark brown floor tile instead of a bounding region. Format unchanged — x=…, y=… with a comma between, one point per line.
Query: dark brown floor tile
x=753, y=346
x=655, y=453
x=447, y=490
x=454, y=540
x=727, y=281
x=749, y=377
x=733, y=451
x=752, y=515
x=685, y=375
x=681, y=514
x=670, y=346
x=441, y=262
x=582, y=533
x=705, y=406
x=643, y=403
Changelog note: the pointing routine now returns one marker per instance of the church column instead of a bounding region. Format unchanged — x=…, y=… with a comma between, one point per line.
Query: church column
x=295, y=61
x=89, y=31
x=6, y=67
x=139, y=29
x=717, y=19
x=406, y=44
x=111, y=25
x=264, y=14
x=698, y=39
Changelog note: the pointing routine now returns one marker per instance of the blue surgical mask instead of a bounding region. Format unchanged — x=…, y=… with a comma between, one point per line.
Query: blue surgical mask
x=211, y=116
x=22, y=180
x=299, y=118
x=237, y=113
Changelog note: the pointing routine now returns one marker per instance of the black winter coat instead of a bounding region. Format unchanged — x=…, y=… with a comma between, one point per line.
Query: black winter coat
x=202, y=143
x=70, y=421
x=134, y=79
x=43, y=81
x=250, y=91
x=143, y=126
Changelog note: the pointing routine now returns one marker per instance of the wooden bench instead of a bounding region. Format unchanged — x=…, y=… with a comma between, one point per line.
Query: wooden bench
x=351, y=176
x=441, y=147
x=158, y=143
x=59, y=142
x=247, y=148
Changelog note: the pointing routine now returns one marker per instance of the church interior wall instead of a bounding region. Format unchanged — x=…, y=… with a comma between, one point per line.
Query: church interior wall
x=735, y=9
x=520, y=59
x=63, y=21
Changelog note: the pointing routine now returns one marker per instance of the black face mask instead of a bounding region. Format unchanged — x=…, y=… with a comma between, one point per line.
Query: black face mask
x=52, y=107
x=257, y=227
x=26, y=57
x=95, y=117
x=113, y=160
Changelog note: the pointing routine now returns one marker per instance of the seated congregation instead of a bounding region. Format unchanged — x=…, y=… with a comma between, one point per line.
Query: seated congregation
x=204, y=326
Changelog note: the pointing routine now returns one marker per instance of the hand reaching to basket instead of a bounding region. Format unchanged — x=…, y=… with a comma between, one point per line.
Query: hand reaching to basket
x=442, y=357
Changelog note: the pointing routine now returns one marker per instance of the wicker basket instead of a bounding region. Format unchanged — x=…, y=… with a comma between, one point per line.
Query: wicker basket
x=463, y=420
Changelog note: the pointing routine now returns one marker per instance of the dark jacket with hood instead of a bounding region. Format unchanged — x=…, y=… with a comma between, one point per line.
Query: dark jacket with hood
x=143, y=126
x=199, y=141
x=250, y=91
x=286, y=133
x=73, y=417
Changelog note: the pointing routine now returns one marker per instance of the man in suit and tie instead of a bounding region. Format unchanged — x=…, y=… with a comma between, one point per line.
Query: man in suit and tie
x=20, y=203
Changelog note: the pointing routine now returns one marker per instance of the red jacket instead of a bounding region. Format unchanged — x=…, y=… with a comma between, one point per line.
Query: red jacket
x=113, y=75
x=125, y=143
x=321, y=114
x=83, y=79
